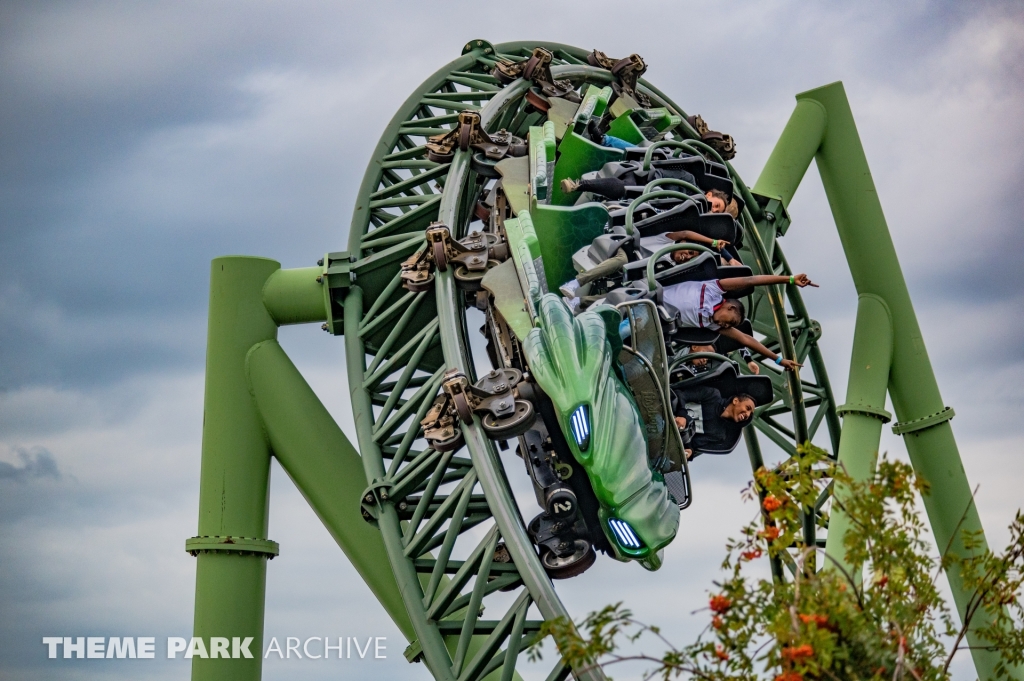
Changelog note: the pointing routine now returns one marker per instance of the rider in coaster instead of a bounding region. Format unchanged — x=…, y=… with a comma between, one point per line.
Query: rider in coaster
x=717, y=200
x=716, y=420
x=701, y=304
x=647, y=247
x=615, y=188
x=720, y=202
x=733, y=209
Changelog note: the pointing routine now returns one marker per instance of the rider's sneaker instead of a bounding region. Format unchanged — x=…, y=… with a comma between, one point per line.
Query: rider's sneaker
x=573, y=303
x=569, y=288
x=570, y=186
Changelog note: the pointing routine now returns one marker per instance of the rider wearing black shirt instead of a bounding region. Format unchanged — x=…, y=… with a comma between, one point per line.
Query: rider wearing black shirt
x=717, y=421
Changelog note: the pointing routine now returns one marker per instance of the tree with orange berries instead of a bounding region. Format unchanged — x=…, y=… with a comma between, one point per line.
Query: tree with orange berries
x=828, y=623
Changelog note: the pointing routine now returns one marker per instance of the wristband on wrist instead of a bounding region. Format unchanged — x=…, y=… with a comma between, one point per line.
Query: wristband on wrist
x=714, y=243
x=778, y=360
x=792, y=279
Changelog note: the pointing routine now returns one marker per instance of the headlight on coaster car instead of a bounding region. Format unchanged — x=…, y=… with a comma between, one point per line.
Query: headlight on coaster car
x=625, y=535
x=579, y=424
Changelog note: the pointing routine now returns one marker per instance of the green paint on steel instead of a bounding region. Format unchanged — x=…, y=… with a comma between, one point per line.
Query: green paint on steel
x=793, y=152
x=572, y=362
x=823, y=128
x=296, y=296
x=324, y=466
x=863, y=414
x=373, y=470
x=387, y=143
x=232, y=570
x=481, y=449
x=235, y=469
x=563, y=230
x=397, y=338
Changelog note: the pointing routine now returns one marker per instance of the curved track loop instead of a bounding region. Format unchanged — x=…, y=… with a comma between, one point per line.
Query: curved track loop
x=454, y=535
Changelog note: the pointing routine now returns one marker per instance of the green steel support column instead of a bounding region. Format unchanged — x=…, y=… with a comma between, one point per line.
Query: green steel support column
x=915, y=393
x=296, y=296
x=325, y=467
x=793, y=152
x=234, y=483
x=864, y=412
x=822, y=126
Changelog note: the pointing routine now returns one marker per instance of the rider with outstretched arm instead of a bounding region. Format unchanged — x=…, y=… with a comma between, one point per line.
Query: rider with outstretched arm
x=701, y=304
x=647, y=247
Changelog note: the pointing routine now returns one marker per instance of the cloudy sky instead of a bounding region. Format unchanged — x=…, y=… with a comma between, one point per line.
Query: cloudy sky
x=140, y=140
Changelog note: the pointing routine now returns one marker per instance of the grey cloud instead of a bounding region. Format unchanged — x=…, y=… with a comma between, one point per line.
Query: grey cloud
x=151, y=135
x=36, y=462
x=142, y=140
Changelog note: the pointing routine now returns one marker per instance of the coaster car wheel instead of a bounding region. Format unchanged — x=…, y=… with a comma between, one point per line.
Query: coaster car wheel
x=449, y=445
x=440, y=257
x=439, y=158
x=462, y=407
x=510, y=426
x=419, y=286
x=484, y=167
x=564, y=567
x=470, y=280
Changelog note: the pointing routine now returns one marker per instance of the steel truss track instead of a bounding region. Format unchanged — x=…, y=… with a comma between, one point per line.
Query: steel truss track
x=456, y=541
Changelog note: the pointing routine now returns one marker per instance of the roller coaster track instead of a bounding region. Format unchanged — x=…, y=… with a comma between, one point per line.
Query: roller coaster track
x=452, y=531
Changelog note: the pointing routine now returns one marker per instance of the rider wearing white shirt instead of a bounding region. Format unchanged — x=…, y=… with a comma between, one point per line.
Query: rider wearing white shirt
x=703, y=305
x=696, y=302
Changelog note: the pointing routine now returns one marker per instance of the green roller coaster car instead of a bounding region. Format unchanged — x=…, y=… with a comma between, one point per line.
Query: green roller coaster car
x=608, y=399
x=572, y=361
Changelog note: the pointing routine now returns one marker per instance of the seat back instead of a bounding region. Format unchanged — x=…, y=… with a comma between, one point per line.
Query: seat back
x=729, y=382
x=607, y=245
x=708, y=174
x=687, y=215
x=621, y=295
x=687, y=335
x=725, y=447
x=736, y=271
x=710, y=182
x=617, y=216
x=645, y=368
x=701, y=268
x=664, y=203
x=711, y=269
x=694, y=165
x=636, y=154
x=718, y=170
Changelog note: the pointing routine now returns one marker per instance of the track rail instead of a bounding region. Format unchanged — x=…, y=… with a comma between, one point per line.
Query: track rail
x=453, y=533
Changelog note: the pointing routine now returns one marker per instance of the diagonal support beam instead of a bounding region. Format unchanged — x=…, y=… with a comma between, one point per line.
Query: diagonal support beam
x=822, y=128
x=324, y=466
